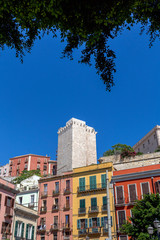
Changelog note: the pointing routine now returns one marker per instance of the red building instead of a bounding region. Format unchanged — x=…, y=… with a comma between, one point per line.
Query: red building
x=130, y=185
x=32, y=162
x=7, y=198
x=55, y=208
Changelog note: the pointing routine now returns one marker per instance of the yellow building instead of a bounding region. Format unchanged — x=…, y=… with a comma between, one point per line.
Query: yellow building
x=90, y=218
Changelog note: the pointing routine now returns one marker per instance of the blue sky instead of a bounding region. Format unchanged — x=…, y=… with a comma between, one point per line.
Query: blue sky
x=42, y=94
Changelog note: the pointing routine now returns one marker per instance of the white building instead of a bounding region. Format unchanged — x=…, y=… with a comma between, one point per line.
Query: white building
x=29, y=192
x=150, y=142
x=76, y=146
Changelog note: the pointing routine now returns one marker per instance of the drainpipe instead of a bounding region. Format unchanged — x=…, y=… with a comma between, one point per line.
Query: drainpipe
x=108, y=207
x=152, y=184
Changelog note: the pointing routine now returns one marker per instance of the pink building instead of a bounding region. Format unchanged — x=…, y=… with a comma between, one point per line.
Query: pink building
x=55, y=208
x=7, y=197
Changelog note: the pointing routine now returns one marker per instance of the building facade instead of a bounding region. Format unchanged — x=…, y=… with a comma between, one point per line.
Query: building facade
x=32, y=162
x=131, y=185
x=90, y=212
x=24, y=223
x=4, y=170
x=55, y=208
x=7, y=199
x=150, y=142
x=76, y=146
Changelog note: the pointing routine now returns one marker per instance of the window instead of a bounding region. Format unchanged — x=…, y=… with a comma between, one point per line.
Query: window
x=148, y=141
x=82, y=223
x=67, y=184
x=92, y=182
x=132, y=192
x=121, y=218
x=157, y=186
x=55, y=220
x=67, y=220
x=104, y=201
x=43, y=222
x=81, y=184
x=20, y=200
x=54, y=170
x=119, y=195
x=82, y=203
x=57, y=187
x=94, y=222
x=103, y=180
x=8, y=204
x=145, y=188
x=32, y=198
x=93, y=202
x=55, y=236
x=25, y=166
x=43, y=238
x=29, y=232
x=143, y=145
x=19, y=229
x=56, y=201
x=38, y=166
x=44, y=203
x=45, y=187
x=44, y=167
x=67, y=201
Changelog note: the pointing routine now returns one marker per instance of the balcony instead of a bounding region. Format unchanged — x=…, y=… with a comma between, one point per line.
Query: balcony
x=44, y=194
x=94, y=231
x=66, y=207
x=41, y=229
x=26, y=160
x=55, y=208
x=67, y=191
x=131, y=201
x=8, y=212
x=120, y=202
x=43, y=210
x=66, y=226
x=105, y=230
x=93, y=209
x=19, y=161
x=82, y=232
x=55, y=193
x=104, y=208
x=92, y=188
x=81, y=211
x=11, y=163
x=31, y=205
x=54, y=227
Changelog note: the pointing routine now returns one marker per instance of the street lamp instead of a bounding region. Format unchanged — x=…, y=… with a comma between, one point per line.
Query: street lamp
x=156, y=224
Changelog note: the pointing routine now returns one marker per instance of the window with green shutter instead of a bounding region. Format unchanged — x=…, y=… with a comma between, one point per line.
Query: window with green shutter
x=22, y=233
x=27, y=231
x=93, y=184
x=32, y=232
x=86, y=223
x=15, y=231
x=103, y=180
x=98, y=222
x=90, y=222
x=78, y=224
x=81, y=184
x=82, y=203
x=104, y=200
x=93, y=202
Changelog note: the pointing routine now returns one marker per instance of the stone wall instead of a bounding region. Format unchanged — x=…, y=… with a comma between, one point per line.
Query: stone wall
x=132, y=162
x=76, y=146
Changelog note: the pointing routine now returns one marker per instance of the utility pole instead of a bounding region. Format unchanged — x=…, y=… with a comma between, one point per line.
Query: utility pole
x=108, y=207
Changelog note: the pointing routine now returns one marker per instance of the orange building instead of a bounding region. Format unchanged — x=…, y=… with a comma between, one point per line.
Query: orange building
x=130, y=185
x=32, y=162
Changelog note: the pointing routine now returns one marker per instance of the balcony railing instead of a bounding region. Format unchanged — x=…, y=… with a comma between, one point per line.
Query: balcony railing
x=82, y=231
x=93, y=209
x=105, y=230
x=26, y=160
x=66, y=207
x=44, y=194
x=55, y=193
x=67, y=191
x=104, y=208
x=54, y=227
x=55, y=208
x=81, y=211
x=19, y=161
x=66, y=226
x=89, y=188
x=9, y=212
x=43, y=210
x=131, y=201
x=120, y=202
x=94, y=230
x=41, y=228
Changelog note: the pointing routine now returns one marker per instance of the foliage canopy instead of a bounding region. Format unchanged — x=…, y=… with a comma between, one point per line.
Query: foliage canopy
x=143, y=214
x=90, y=24
x=26, y=174
x=118, y=148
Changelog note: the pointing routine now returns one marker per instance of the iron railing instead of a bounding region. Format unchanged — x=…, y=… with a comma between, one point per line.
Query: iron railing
x=94, y=187
x=93, y=209
x=44, y=194
x=55, y=192
x=43, y=210
x=67, y=191
x=94, y=230
x=81, y=210
x=9, y=211
x=55, y=208
x=104, y=208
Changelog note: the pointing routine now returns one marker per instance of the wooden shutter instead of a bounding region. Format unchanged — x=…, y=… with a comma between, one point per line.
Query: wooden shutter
x=121, y=217
x=67, y=184
x=98, y=222
x=86, y=223
x=15, y=231
x=103, y=180
x=27, y=231
x=111, y=222
x=104, y=200
x=145, y=188
x=12, y=202
x=32, y=232
x=93, y=202
x=90, y=222
x=22, y=230
x=82, y=184
x=102, y=221
x=82, y=203
x=92, y=182
x=6, y=201
x=157, y=187
x=132, y=192
x=120, y=198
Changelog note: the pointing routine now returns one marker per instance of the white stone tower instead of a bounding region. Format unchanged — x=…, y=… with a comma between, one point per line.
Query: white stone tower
x=76, y=146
